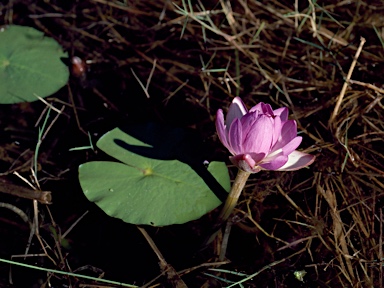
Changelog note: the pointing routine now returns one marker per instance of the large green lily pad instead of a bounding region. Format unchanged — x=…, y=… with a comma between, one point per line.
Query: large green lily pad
x=142, y=190
x=30, y=65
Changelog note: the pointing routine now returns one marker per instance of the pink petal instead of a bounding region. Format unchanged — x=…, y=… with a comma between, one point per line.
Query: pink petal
x=257, y=157
x=236, y=110
x=236, y=160
x=291, y=146
x=246, y=162
x=259, y=137
x=282, y=112
x=276, y=163
x=220, y=128
x=297, y=160
x=235, y=137
x=257, y=108
x=248, y=120
x=288, y=132
x=262, y=108
x=277, y=125
x=267, y=109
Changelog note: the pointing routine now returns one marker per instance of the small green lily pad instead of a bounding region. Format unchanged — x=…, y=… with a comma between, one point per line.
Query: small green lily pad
x=30, y=65
x=143, y=190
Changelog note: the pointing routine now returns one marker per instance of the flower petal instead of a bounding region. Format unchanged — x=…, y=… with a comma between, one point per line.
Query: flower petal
x=220, y=128
x=276, y=163
x=297, y=160
x=246, y=162
x=282, y=112
x=248, y=120
x=277, y=125
x=288, y=132
x=292, y=145
x=259, y=137
x=262, y=108
x=236, y=110
x=235, y=137
x=257, y=157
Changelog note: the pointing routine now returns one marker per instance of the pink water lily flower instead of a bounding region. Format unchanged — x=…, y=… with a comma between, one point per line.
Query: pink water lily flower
x=261, y=138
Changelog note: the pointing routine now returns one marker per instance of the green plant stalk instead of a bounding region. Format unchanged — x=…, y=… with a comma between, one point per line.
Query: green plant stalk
x=68, y=273
x=39, y=141
x=230, y=203
x=233, y=196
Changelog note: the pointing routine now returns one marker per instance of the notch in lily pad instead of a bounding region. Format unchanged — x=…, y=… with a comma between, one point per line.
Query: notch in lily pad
x=144, y=190
x=30, y=65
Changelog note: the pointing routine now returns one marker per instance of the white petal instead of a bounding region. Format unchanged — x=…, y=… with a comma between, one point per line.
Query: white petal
x=297, y=160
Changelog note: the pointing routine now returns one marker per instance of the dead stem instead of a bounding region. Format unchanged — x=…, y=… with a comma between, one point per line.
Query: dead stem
x=345, y=85
x=43, y=197
x=164, y=266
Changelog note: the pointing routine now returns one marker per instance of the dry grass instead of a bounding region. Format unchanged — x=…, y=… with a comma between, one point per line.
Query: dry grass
x=324, y=61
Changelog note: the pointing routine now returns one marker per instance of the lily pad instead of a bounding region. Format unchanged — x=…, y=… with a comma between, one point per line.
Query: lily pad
x=143, y=190
x=30, y=65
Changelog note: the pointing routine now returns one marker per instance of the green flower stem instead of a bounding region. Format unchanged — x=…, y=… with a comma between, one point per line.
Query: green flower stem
x=230, y=203
x=233, y=196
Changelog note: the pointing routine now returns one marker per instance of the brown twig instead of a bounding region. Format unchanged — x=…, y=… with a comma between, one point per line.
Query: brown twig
x=166, y=268
x=44, y=197
x=345, y=85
